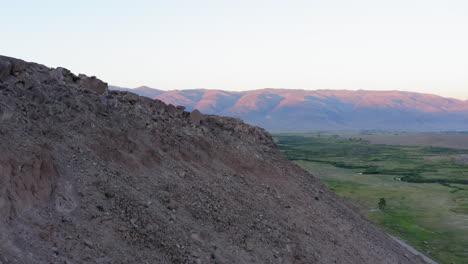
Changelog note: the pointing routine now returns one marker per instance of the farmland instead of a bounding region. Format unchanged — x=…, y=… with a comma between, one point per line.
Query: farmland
x=425, y=186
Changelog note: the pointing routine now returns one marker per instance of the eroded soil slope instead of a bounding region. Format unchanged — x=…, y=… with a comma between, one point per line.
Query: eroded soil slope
x=92, y=176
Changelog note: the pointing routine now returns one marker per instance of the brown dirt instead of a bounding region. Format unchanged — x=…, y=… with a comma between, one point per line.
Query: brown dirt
x=92, y=176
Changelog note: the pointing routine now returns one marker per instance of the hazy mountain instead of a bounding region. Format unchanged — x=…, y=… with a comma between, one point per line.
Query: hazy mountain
x=141, y=90
x=285, y=109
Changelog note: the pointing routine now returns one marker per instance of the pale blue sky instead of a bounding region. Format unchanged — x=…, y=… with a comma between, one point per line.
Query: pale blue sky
x=415, y=45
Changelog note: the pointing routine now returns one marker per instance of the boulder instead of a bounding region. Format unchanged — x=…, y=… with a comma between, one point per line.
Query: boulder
x=92, y=83
x=62, y=75
x=196, y=117
x=5, y=68
x=18, y=66
x=180, y=109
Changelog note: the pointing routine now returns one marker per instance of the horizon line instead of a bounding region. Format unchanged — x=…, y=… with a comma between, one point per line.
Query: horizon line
x=320, y=89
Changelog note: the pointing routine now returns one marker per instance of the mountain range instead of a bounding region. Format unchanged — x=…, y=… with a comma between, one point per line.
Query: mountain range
x=300, y=110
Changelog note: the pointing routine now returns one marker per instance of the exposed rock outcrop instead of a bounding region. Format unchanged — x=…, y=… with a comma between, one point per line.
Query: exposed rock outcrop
x=196, y=116
x=92, y=176
x=25, y=183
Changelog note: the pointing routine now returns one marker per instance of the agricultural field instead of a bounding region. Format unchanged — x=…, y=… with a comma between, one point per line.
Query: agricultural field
x=425, y=187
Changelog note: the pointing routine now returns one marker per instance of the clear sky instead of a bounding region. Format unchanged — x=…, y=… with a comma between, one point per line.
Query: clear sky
x=415, y=45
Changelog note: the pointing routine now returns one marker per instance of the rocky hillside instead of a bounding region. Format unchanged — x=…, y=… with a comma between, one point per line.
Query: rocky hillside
x=89, y=175
x=294, y=110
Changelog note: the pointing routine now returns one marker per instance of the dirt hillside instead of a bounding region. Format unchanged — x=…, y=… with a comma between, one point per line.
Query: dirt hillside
x=93, y=176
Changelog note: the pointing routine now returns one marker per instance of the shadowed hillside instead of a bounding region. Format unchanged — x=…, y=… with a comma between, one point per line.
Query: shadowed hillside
x=89, y=175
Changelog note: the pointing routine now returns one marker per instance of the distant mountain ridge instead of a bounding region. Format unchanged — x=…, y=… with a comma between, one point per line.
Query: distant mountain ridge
x=141, y=90
x=298, y=110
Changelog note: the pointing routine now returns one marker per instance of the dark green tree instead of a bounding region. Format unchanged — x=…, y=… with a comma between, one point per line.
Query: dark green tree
x=382, y=203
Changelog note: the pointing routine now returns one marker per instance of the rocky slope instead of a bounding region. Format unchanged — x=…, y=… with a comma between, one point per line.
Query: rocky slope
x=295, y=110
x=93, y=176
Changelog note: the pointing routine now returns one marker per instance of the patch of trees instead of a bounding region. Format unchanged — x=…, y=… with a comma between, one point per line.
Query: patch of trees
x=382, y=204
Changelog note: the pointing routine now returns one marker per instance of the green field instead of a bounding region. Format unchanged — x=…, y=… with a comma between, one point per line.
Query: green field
x=425, y=188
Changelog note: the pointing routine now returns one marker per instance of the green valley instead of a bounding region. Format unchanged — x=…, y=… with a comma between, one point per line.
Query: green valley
x=425, y=187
